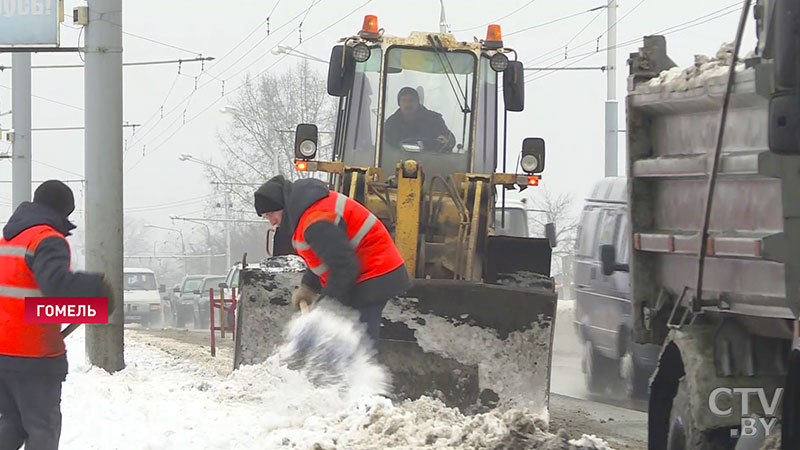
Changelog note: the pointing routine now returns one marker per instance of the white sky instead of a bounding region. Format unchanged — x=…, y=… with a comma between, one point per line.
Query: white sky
x=566, y=107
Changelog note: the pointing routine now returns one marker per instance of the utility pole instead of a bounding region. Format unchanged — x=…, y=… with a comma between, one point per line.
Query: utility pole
x=103, y=137
x=612, y=107
x=21, y=122
x=227, y=229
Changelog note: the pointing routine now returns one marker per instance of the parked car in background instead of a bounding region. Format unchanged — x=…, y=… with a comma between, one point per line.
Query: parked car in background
x=184, y=299
x=603, y=309
x=142, y=297
x=201, y=296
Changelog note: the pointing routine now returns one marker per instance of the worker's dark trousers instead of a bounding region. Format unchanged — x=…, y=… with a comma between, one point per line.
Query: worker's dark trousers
x=30, y=410
x=371, y=317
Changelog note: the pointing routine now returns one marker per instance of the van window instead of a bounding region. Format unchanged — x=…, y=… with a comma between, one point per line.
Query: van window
x=587, y=232
x=140, y=282
x=212, y=283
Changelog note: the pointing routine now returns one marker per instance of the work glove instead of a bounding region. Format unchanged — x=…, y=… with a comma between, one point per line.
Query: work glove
x=108, y=291
x=304, y=294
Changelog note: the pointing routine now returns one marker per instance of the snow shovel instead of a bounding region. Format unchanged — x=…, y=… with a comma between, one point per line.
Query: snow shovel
x=324, y=342
x=70, y=328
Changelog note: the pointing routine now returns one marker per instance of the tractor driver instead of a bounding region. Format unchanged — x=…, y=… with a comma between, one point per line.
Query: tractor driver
x=413, y=123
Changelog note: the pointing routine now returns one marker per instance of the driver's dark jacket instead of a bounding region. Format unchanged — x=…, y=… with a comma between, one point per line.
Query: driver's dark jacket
x=426, y=126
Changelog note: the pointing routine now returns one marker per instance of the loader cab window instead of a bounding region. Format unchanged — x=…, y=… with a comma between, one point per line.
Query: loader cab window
x=362, y=113
x=428, y=109
x=486, y=124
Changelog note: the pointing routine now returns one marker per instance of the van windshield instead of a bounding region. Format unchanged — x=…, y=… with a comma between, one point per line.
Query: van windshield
x=140, y=282
x=212, y=283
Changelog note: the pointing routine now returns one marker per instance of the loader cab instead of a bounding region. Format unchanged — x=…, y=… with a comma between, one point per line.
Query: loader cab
x=427, y=98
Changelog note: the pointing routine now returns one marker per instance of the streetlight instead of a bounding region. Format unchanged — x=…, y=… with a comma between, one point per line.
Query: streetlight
x=190, y=158
x=183, y=245
x=208, y=237
x=286, y=50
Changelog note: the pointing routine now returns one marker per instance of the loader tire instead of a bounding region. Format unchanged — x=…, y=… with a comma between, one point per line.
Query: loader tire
x=524, y=279
x=683, y=435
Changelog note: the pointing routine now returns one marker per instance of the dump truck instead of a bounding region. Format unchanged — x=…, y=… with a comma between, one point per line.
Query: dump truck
x=475, y=329
x=714, y=198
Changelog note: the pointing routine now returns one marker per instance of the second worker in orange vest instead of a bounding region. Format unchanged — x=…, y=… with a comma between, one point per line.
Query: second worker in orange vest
x=349, y=252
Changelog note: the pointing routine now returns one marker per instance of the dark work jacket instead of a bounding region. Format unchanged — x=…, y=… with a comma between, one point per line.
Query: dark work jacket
x=426, y=126
x=331, y=244
x=50, y=267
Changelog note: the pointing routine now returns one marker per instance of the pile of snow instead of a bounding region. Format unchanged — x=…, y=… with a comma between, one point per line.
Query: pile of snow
x=177, y=398
x=283, y=263
x=514, y=368
x=704, y=68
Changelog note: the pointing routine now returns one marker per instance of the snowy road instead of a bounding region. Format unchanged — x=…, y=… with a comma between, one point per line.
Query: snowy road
x=172, y=395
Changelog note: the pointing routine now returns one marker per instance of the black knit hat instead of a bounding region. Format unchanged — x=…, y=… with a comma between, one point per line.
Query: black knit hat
x=55, y=195
x=407, y=91
x=269, y=197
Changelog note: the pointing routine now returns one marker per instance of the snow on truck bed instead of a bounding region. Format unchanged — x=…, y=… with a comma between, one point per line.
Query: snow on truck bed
x=173, y=395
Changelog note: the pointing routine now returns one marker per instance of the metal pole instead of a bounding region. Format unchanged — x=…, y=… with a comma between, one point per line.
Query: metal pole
x=227, y=229
x=611, y=107
x=103, y=137
x=21, y=122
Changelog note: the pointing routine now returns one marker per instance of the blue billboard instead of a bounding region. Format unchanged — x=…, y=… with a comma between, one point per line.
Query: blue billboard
x=29, y=23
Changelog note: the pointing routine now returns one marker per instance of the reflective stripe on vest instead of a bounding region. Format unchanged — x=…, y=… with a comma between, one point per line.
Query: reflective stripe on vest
x=13, y=250
x=19, y=293
x=17, y=281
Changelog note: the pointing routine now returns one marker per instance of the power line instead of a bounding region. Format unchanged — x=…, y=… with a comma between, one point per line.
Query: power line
x=314, y=3
x=667, y=31
x=497, y=20
x=545, y=55
x=560, y=19
x=48, y=99
x=621, y=18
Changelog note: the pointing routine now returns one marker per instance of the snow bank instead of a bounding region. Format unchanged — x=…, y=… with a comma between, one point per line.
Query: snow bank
x=173, y=396
x=704, y=68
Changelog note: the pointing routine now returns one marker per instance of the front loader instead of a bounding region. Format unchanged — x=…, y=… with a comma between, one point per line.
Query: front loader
x=476, y=328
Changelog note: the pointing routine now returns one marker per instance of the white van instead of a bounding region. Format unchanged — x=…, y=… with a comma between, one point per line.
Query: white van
x=142, y=297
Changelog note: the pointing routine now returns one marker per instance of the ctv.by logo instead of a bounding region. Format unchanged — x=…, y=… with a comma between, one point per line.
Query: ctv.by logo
x=749, y=425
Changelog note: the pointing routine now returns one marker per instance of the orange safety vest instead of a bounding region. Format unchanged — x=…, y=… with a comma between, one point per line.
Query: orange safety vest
x=18, y=338
x=369, y=237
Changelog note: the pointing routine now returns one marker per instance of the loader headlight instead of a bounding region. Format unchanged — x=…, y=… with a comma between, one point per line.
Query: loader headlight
x=532, y=160
x=499, y=62
x=361, y=52
x=308, y=149
x=530, y=163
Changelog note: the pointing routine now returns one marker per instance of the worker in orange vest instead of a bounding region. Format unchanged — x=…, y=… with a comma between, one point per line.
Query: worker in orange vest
x=350, y=254
x=35, y=262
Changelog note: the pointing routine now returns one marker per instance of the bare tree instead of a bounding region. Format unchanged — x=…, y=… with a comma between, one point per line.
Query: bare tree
x=557, y=209
x=260, y=141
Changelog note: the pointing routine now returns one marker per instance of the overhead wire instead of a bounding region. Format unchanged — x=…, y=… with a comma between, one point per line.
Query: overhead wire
x=252, y=48
x=550, y=22
x=259, y=74
x=529, y=3
x=667, y=31
x=622, y=18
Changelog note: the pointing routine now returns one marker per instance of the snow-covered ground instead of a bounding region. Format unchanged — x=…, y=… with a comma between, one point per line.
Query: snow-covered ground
x=173, y=395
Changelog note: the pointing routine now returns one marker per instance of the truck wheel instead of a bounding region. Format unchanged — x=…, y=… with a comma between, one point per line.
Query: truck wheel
x=598, y=370
x=634, y=377
x=682, y=432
